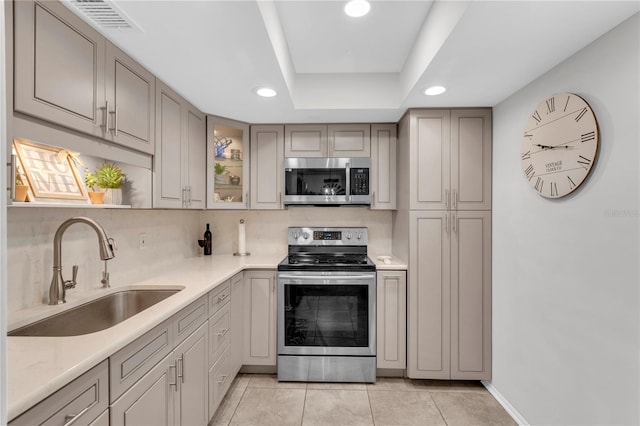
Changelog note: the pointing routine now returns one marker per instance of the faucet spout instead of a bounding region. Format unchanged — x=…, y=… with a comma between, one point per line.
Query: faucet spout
x=57, y=289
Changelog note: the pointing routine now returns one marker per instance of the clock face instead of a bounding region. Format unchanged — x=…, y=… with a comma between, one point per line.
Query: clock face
x=559, y=145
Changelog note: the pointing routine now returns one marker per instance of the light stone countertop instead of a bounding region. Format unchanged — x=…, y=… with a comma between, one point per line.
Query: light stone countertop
x=39, y=366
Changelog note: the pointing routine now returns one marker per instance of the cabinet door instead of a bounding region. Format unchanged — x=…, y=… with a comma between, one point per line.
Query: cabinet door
x=267, y=160
x=237, y=323
x=167, y=162
x=80, y=402
x=383, y=166
x=349, y=140
x=391, y=319
x=305, y=140
x=471, y=295
x=59, y=67
x=192, y=372
x=471, y=159
x=195, y=167
x=259, y=318
x=151, y=400
x=130, y=92
x=429, y=176
x=429, y=295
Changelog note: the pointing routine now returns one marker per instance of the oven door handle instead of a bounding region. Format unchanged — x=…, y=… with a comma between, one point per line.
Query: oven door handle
x=325, y=277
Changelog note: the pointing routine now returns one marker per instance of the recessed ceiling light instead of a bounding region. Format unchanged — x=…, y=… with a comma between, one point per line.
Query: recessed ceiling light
x=435, y=90
x=357, y=8
x=266, y=92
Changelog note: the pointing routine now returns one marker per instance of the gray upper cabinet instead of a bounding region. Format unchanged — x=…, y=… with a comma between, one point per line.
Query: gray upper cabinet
x=180, y=161
x=383, y=166
x=450, y=159
x=130, y=94
x=59, y=67
x=267, y=159
x=334, y=140
x=68, y=74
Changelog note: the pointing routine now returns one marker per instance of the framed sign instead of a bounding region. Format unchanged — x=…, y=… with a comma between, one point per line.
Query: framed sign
x=51, y=171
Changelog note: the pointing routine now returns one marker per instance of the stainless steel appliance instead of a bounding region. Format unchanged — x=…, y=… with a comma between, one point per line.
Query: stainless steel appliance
x=327, y=181
x=327, y=307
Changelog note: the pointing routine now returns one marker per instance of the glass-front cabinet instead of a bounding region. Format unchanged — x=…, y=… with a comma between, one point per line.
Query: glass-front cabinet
x=227, y=163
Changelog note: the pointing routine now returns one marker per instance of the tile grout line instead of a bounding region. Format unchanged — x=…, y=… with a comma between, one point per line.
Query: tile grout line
x=438, y=408
x=373, y=420
x=304, y=403
x=239, y=401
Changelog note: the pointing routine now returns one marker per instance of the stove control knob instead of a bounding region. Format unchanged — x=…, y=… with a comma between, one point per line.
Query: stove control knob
x=359, y=235
x=348, y=235
x=305, y=235
x=294, y=235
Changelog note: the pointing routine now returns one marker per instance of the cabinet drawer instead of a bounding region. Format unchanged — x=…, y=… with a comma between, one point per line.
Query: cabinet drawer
x=218, y=297
x=189, y=319
x=132, y=362
x=219, y=381
x=85, y=398
x=219, y=335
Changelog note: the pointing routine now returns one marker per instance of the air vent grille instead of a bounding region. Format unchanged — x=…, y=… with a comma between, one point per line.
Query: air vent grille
x=103, y=14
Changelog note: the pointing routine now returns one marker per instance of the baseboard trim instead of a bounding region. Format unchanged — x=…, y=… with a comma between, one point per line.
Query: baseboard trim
x=515, y=415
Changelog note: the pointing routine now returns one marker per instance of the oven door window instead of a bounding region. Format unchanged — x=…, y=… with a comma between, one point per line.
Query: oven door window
x=319, y=181
x=326, y=315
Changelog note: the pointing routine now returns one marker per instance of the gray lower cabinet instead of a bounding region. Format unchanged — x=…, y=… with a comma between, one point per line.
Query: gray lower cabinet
x=449, y=295
x=260, y=318
x=237, y=321
x=83, y=402
x=173, y=391
x=391, y=316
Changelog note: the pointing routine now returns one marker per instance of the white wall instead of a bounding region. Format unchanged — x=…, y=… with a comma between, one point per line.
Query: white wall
x=566, y=296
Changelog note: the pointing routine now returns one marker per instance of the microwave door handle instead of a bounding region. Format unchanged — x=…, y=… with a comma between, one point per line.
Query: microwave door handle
x=348, y=182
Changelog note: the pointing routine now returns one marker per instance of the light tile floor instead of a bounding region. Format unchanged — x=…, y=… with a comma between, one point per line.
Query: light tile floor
x=259, y=399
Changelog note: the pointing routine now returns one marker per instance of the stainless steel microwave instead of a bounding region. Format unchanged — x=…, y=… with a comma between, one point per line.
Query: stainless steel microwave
x=327, y=181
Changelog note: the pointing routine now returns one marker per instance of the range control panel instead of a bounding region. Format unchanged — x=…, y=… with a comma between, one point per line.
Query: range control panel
x=312, y=236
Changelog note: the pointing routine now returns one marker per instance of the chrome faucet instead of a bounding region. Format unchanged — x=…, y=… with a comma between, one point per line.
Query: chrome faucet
x=58, y=288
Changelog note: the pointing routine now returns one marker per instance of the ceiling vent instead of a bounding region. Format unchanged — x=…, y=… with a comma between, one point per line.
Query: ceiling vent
x=102, y=14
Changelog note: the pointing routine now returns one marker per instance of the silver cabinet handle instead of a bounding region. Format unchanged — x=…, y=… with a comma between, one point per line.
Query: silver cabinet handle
x=223, y=332
x=446, y=223
x=224, y=379
x=115, y=123
x=454, y=223
x=446, y=199
x=105, y=119
x=246, y=199
x=190, y=199
x=175, y=377
x=70, y=419
x=455, y=199
x=184, y=196
x=180, y=368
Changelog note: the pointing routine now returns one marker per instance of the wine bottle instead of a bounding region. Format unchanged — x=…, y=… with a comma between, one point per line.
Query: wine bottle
x=207, y=241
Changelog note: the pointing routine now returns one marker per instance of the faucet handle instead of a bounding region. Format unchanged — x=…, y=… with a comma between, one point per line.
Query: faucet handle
x=72, y=282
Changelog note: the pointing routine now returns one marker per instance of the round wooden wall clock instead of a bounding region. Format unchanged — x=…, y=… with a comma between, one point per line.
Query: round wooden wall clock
x=559, y=145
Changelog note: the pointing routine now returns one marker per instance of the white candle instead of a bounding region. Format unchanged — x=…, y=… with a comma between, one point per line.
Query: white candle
x=242, y=244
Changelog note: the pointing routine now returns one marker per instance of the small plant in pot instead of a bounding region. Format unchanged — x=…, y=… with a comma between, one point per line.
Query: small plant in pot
x=21, y=189
x=220, y=176
x=91, y=181
x=111, y=177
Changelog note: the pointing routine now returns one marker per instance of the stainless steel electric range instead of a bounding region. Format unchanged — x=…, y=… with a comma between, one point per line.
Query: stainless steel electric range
x=327, y=307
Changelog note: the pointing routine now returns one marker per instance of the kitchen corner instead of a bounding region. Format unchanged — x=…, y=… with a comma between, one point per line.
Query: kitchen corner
x=38, y=366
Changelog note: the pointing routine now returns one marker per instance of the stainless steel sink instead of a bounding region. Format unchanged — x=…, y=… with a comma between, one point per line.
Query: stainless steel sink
x=96, y=315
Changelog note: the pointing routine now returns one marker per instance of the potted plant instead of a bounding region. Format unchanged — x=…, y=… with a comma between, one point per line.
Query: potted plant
x=91, y=181
x=111, y=177
x=220, y=177
x=21, y=189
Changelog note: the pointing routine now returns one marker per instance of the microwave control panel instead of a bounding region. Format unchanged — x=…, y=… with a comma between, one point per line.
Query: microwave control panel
x=359, y=181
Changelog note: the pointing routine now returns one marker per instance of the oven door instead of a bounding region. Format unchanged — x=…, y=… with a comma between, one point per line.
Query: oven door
x=327, y=313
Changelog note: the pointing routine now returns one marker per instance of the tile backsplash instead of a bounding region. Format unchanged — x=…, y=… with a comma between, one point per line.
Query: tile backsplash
x=171, y=235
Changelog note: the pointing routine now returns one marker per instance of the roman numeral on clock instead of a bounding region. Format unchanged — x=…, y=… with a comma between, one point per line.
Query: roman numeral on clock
x=586, y=137
x=526, y=155
x=554, y=189
x=551, y=105
x=572, y=184
x=583, y=111
x=529, y=172
x=539, y=184
x=536, y=116
x=583, y=160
